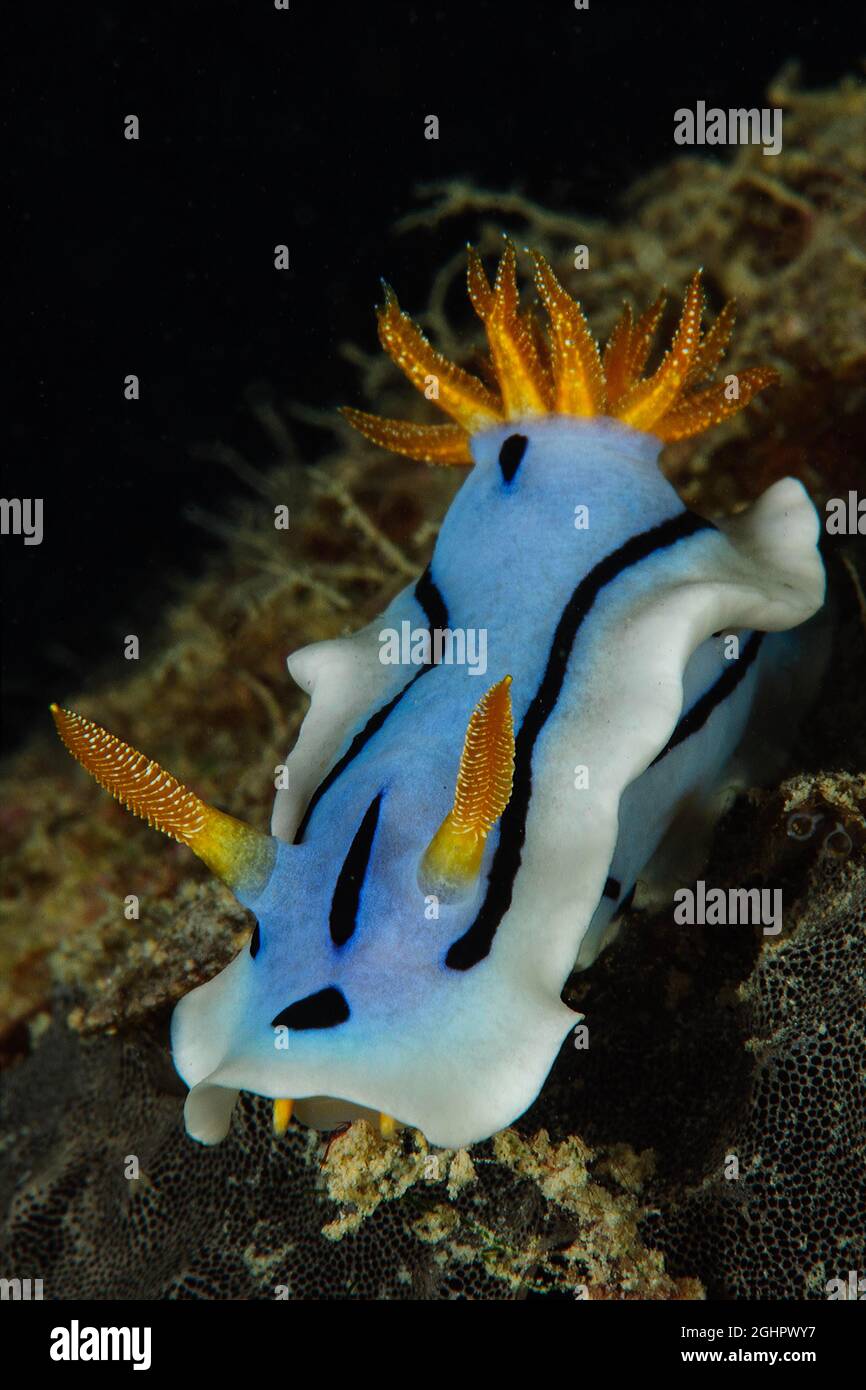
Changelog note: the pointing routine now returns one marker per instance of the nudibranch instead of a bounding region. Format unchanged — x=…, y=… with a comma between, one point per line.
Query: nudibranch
x=456, y=837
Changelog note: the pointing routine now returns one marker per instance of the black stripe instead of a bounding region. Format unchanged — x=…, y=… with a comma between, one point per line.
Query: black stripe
x=612, y=888
x=430, y=599
x=255, y=941
x=476, y=941
x=347, y=894
x=701, y=710
x=511, y=455
x=324, y=1009
x=436, y=614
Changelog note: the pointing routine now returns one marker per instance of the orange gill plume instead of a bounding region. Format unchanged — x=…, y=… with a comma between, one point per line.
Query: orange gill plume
x=453, y=858
x=242, y=857
x=561, y=372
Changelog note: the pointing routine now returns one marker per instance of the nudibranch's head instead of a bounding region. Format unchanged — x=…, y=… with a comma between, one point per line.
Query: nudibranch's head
x=283, y=1019
x=561, y=372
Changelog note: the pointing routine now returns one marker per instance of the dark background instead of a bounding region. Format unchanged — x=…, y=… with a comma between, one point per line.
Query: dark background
x=257, y=127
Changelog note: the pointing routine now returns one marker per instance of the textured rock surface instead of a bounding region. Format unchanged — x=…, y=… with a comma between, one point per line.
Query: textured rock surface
x=258, y=1217
x=796, y=1216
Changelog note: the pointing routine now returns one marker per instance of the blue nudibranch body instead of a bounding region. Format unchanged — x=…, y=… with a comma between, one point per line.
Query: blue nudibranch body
x=454, y=840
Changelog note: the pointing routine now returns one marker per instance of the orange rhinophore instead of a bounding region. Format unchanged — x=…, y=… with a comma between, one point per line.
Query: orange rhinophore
x=562, y=372
x=240, y=856
x=484, y=778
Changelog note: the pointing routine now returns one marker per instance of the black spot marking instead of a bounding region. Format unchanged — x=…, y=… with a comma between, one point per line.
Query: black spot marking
x=476, y=941
x=436, y=613
x=324, y=1009
x=511, y=455
x=701, y=710
x=612, y=888
x=255, y=941
x=347, y=894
